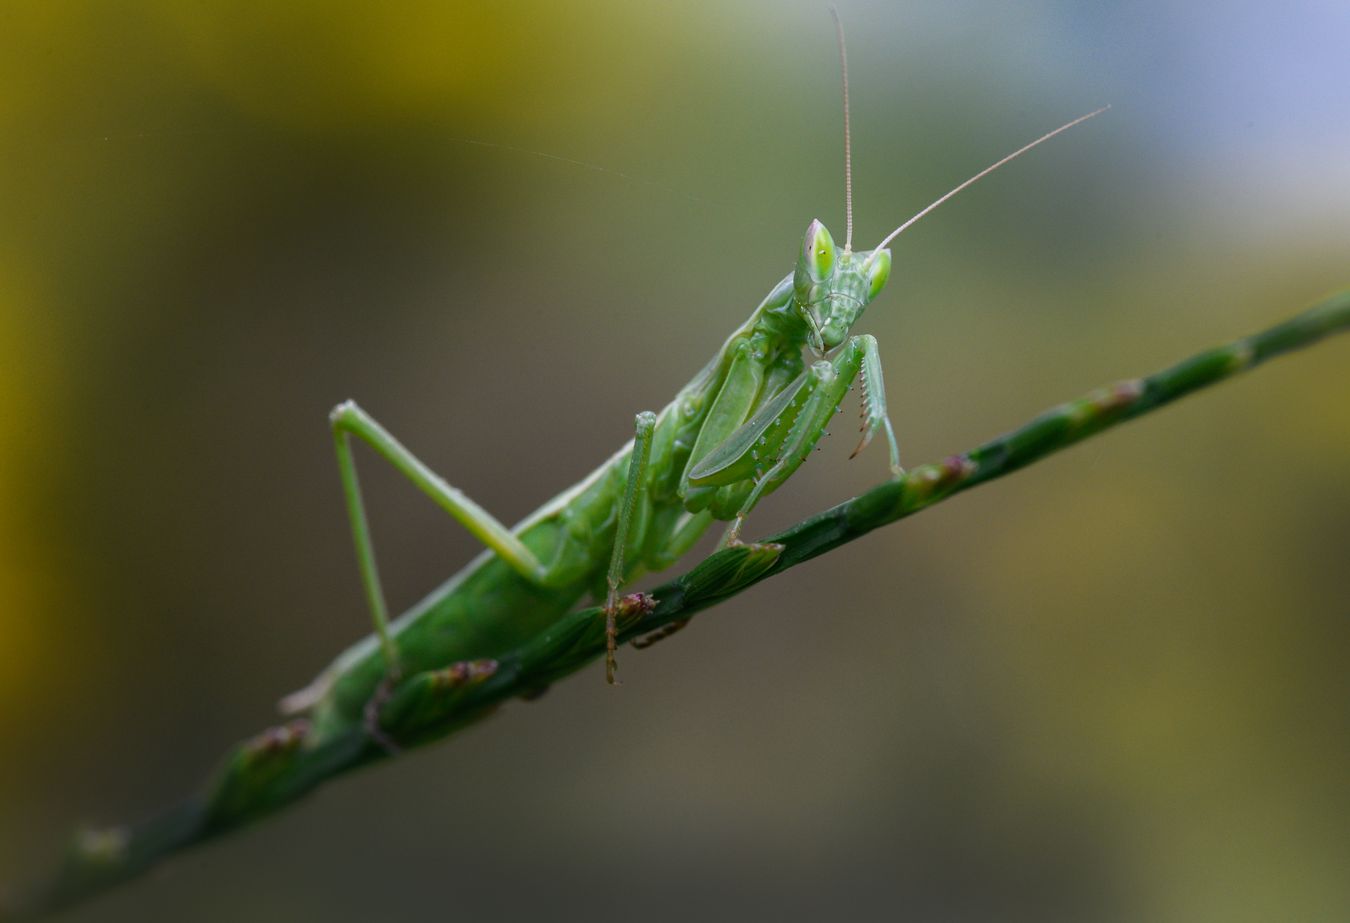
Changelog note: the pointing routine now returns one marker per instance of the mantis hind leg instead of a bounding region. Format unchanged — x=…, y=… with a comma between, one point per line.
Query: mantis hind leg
x=347, y=420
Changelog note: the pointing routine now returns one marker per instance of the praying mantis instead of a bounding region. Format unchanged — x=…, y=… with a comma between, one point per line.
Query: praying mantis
x=732, y=436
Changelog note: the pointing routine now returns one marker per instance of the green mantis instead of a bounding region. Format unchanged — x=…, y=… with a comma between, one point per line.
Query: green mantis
x=730, y=437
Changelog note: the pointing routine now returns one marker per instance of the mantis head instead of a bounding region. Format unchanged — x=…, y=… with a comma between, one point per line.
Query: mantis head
x=831, y=287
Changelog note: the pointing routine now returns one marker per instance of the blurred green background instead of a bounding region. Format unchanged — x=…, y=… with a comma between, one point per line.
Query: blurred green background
x=1111, y=687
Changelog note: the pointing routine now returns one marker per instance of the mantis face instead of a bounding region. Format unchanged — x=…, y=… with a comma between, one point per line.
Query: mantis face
x=831, y=288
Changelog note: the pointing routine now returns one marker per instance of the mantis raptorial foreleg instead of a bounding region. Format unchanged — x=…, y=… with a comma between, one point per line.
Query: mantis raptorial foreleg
x=774, y=442
x=734, y=402
x=347, y=419
x=874, y=414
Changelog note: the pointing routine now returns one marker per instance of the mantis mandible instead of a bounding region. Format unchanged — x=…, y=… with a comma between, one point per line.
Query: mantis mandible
x=733, y=435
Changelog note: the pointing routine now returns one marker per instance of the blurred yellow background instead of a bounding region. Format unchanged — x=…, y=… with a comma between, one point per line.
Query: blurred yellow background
x=1111, y=687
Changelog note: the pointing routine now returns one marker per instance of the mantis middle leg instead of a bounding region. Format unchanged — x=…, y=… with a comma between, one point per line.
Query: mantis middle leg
x=637, y=472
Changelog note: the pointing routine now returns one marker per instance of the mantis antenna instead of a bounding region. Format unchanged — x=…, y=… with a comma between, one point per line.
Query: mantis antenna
x=848, y=143
x=981, y=175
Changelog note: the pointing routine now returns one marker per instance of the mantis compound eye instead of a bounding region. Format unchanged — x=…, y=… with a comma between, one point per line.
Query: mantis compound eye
x=878, y=271
x=818, y=252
